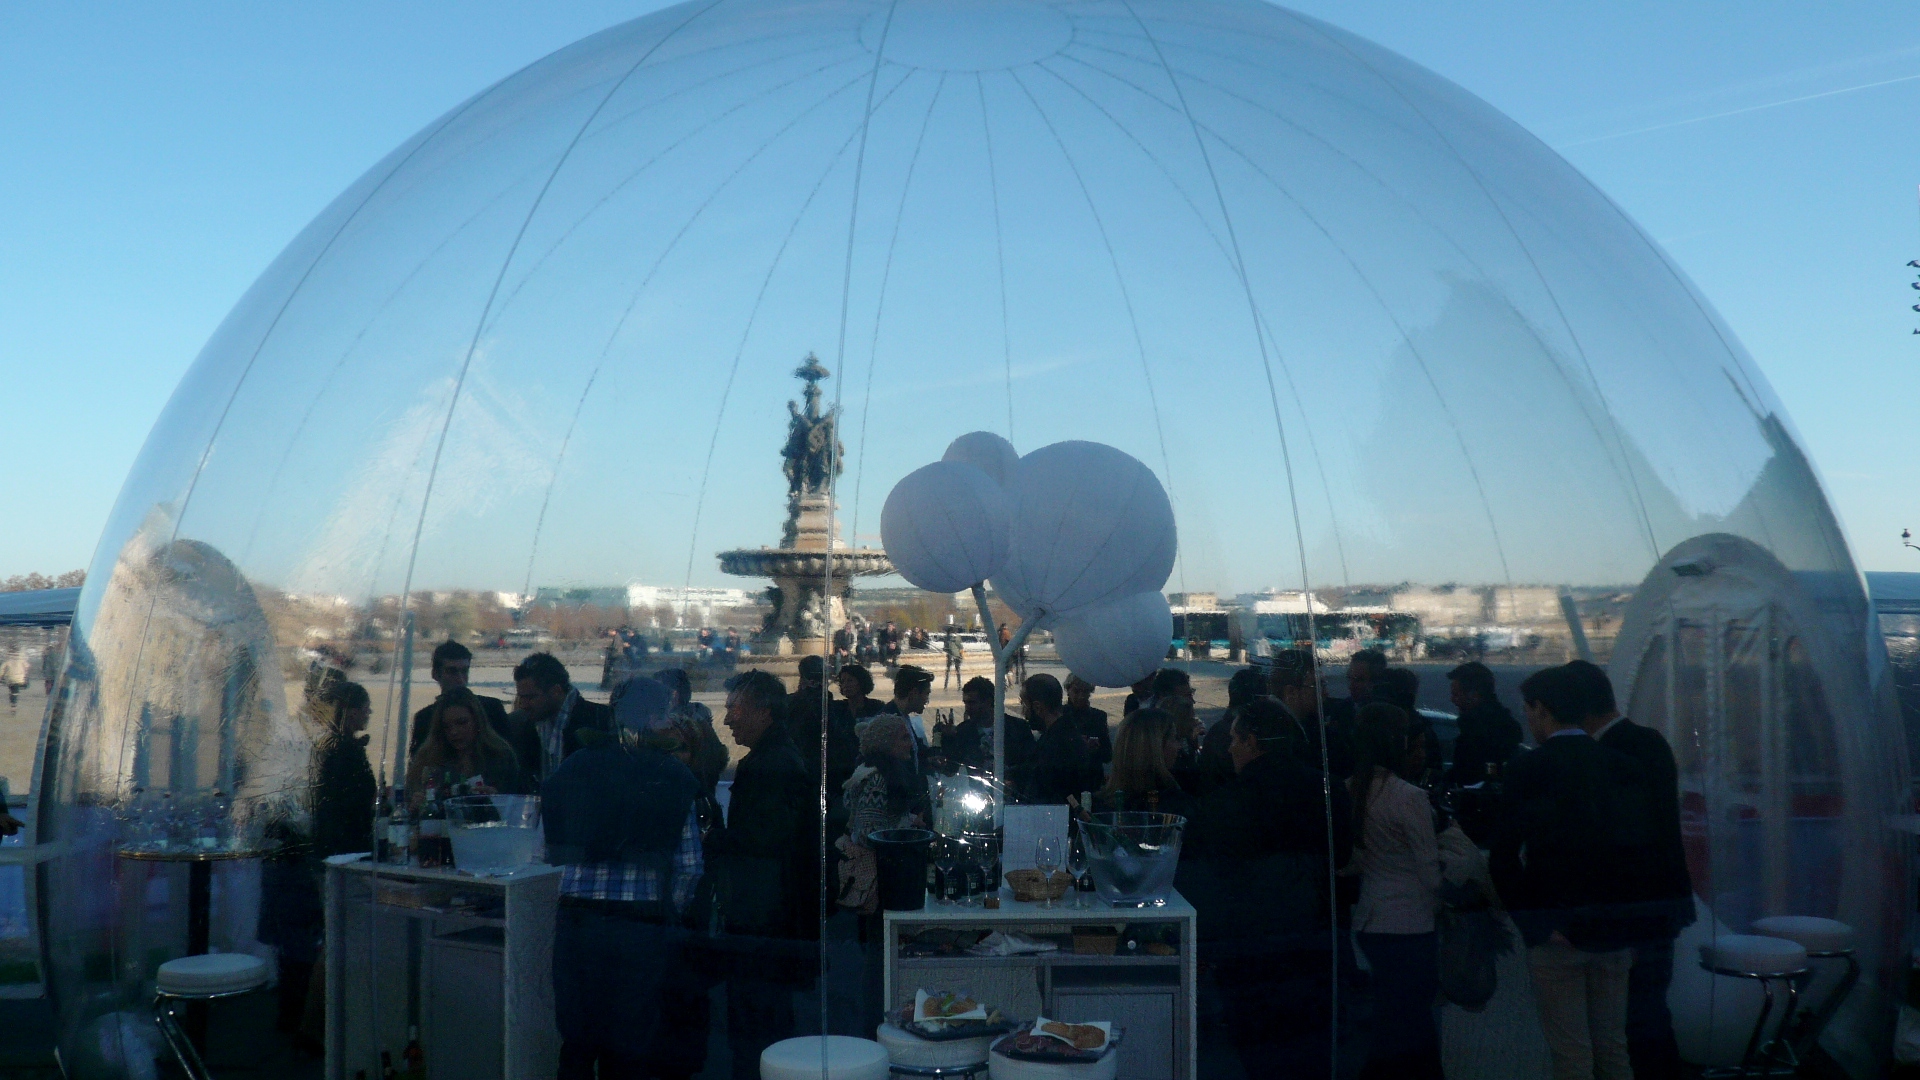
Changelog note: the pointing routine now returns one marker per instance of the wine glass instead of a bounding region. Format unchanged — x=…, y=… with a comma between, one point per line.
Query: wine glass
x=944, y=862
x=1046, y=859
x=1077, y=866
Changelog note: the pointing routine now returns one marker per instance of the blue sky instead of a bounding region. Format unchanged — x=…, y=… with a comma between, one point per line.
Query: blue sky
x=158, y=156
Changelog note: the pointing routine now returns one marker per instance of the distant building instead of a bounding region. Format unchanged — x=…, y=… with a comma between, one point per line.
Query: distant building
x=690, y=605
x=1194, y=601
x=1281, y=602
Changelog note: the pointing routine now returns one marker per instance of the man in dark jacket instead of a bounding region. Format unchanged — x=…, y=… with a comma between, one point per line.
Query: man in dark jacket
x=970, y=743
x=1488, y=732
x=1092, y=722
x=1666, y=886
x=620, y=822
x=912, y=686
x=1574, y=826
x=552, y=720
x=771, y=866
x=1294, y=679
x=1061, y=764
x=808, y=702
x=1259, y=870
x=452, y=664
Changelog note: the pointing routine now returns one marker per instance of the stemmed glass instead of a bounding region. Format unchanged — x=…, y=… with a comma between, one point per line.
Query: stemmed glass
x=1046, y=859
x=1077, y=866
x=944, y=862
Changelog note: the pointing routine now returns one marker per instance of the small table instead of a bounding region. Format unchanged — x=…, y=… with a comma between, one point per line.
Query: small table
x=397, y=934
x=199, y=863
x=1153, y=998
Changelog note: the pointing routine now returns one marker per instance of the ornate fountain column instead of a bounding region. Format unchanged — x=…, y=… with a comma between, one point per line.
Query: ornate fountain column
x=805, y=612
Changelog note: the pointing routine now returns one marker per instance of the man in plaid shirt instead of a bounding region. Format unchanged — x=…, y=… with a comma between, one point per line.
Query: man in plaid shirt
x=620, y=822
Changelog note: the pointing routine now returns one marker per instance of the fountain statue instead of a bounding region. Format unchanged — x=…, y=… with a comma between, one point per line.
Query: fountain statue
x=805, y=610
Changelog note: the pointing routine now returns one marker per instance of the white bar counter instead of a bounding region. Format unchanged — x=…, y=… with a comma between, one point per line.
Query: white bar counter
x=1152, y=997
x=468, y=959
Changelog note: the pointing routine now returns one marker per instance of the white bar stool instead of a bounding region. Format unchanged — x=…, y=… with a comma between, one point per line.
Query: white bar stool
x=946, y=1059
x=1768, y=960
x=207, y=977
x=847, y=1058
x=1824, y=939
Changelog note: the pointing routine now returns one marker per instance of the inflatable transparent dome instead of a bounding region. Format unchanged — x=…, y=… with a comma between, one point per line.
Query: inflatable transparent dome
x=1409, y=380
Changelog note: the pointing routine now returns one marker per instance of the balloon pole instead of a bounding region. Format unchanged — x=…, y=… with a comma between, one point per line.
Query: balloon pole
x=1002, y=659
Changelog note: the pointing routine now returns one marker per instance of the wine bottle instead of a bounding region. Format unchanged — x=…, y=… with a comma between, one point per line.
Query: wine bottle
x=382, y=826
x=413, y=1059
x=433, y=832
x=400, y=829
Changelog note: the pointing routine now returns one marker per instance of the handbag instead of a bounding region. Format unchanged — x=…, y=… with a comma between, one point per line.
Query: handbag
x=1472, y=938
x=859, y=877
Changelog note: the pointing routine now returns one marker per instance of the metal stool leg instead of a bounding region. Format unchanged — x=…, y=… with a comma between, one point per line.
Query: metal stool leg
x=1806, y=1033
x=177, y=1041
x=1759, y=1028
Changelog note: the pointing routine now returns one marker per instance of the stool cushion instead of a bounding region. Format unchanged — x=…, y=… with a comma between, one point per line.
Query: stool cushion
x=1006, y=1068
x=1753, y=953
x=906, y=1048
x=1813, y=933
x=848, y=1058
x=213, y=973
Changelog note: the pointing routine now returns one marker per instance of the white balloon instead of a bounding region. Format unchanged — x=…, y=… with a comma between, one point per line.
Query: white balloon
x=1090, y=524
x=945, y=526
x=1116, y=643
x=994, y=455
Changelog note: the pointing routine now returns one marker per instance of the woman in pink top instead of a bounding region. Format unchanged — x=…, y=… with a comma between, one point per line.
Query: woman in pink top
x=1398, y=861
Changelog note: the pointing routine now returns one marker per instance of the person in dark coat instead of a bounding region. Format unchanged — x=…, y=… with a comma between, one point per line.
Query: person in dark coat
x=341, y=791
x=1294, y=680
x=770, y=856
x=686, y=1000
x=1574, y=827
x=1061, y=764
x=1400, y=688
x=805, y=706
x=970, y=743
x=1666, y=886
x=1092, y=722
x=1216, y=761
x=1488, y=732
x=1139, y=695
x=620, y=822
x=552, y=719
x=452, y=665
x=856, y=693
x=1259, y=878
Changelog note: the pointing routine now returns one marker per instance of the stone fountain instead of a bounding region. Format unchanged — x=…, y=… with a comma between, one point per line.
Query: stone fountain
x=805, y=610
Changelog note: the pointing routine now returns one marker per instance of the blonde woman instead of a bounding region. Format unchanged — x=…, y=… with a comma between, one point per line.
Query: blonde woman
x=1144, y=750
x=460, y=745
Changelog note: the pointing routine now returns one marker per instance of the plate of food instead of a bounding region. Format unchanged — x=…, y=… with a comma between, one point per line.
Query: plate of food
x=942, y=1015
x=1058, y=1041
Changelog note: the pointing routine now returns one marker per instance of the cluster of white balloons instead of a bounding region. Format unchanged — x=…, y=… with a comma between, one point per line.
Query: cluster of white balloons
x=1077, y=538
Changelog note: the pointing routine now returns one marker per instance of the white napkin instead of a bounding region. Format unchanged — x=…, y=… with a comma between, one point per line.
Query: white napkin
x=1000, y=943
x=920, y=1015
x=1106, y=1032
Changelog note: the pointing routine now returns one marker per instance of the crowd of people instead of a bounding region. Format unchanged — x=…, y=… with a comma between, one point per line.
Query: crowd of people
x=1315, y=825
